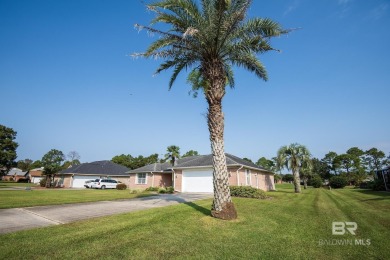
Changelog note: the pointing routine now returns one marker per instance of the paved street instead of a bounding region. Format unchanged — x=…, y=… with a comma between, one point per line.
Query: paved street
x=12, y=220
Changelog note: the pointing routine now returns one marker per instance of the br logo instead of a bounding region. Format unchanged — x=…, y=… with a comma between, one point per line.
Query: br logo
x=339, y=228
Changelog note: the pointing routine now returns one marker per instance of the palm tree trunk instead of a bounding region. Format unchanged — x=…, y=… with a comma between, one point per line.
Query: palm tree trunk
x=297, y=182
x=305, y=183
x=223, y=206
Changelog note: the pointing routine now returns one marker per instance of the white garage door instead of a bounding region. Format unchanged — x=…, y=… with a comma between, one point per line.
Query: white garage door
x=198, y=181
x=79, y=181
x=36, y=179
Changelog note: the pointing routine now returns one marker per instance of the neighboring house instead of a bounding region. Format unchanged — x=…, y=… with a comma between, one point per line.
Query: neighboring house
x=384, y=175
x=14, y=175
x=195, y=174
x=75, y=176
x=35, y=175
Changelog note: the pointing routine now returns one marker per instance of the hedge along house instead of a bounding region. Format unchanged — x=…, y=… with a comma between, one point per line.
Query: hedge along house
x=77, y=175
x=195, y=174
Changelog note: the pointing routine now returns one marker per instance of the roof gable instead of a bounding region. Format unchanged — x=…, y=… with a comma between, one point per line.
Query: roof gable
x=196, y=161
x=16, y=172
x=98, y=167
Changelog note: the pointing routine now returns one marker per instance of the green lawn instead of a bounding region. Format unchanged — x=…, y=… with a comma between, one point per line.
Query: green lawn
x=289, y=226
x=29, y=198
x=9, y=184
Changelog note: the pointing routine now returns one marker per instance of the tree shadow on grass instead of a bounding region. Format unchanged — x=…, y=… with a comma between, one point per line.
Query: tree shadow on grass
x=372, y=192
x=201, y=209
x=281, y=191
x=376, y=199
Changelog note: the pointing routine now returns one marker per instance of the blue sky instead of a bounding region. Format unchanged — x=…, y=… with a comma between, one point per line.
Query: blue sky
x=67, y=82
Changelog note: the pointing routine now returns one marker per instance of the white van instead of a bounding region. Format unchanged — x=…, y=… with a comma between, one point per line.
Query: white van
x=104, y=184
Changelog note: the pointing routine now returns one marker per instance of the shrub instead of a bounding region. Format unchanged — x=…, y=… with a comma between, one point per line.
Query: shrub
x=338, y=182
x=23, y=180
x=316, y=182
x=247, y=192
x=42, y=182
x=121, y=186
x=162, y=190
x=288, y=178
x=378, y=185
x=152, y=189
x=170, y=190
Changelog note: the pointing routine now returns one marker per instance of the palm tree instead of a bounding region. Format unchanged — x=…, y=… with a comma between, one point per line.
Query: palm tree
x=294, y=157
x=173, y=153
x=305, y=173
x=209, y=38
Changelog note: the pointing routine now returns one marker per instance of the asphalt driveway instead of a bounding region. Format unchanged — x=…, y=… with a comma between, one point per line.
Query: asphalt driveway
x=16, y=219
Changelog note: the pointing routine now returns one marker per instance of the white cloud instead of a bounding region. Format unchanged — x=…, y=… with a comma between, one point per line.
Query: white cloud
x=291, y=7
x=344, y=2
x=379, y=11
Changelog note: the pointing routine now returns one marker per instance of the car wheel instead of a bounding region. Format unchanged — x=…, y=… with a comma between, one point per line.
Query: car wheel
x=103, y=187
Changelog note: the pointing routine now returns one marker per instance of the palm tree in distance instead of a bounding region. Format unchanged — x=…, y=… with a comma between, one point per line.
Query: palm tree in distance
x=294, y=157
x=173, y=153
x=209, y=37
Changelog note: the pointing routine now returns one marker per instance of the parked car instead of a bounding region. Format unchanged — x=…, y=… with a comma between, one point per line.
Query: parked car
x=88, y=184
x=104, y=184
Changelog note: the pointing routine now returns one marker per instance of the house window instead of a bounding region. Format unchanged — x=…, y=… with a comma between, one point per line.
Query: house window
x=248, y=177
x=141, y=178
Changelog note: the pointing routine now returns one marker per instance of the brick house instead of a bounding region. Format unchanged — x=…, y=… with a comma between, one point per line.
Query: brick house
x=14, y=175
x=75, y=176
x=195, y=174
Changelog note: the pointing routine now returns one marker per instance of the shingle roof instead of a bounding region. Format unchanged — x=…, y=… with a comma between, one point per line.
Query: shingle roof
x=196, y=161
x=99, y=167
x=16, y=172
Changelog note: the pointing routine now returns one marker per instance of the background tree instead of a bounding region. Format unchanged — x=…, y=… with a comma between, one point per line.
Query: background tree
x=266, y=164
x=36, y=164
x=277, y=178
x=320, y=168
x=123, y=159
x=210, y=39
x=135, y=162
x=294, y=157
x=7, y=149
x=329, y=161
x=142, y=161
x=173, y=153
x=74, y=158
x=247, y=159
x=190, y=153
x=357, y=155
x=344, y=162
x=51, y=162
x=24, y=165
x=374, y=159
x=288, y=178
x=355, y=151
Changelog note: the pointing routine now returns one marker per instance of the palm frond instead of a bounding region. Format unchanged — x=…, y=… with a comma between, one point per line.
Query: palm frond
x=251, y=63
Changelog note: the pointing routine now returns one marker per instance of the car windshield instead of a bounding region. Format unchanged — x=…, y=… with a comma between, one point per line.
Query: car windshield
x=97, y=180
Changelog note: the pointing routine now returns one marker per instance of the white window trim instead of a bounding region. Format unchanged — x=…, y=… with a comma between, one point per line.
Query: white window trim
x=248, y=172
x=146, y=178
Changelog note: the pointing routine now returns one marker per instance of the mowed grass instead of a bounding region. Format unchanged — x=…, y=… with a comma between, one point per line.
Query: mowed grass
x=29, y=198
x=289, y=226
x=7, y=184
